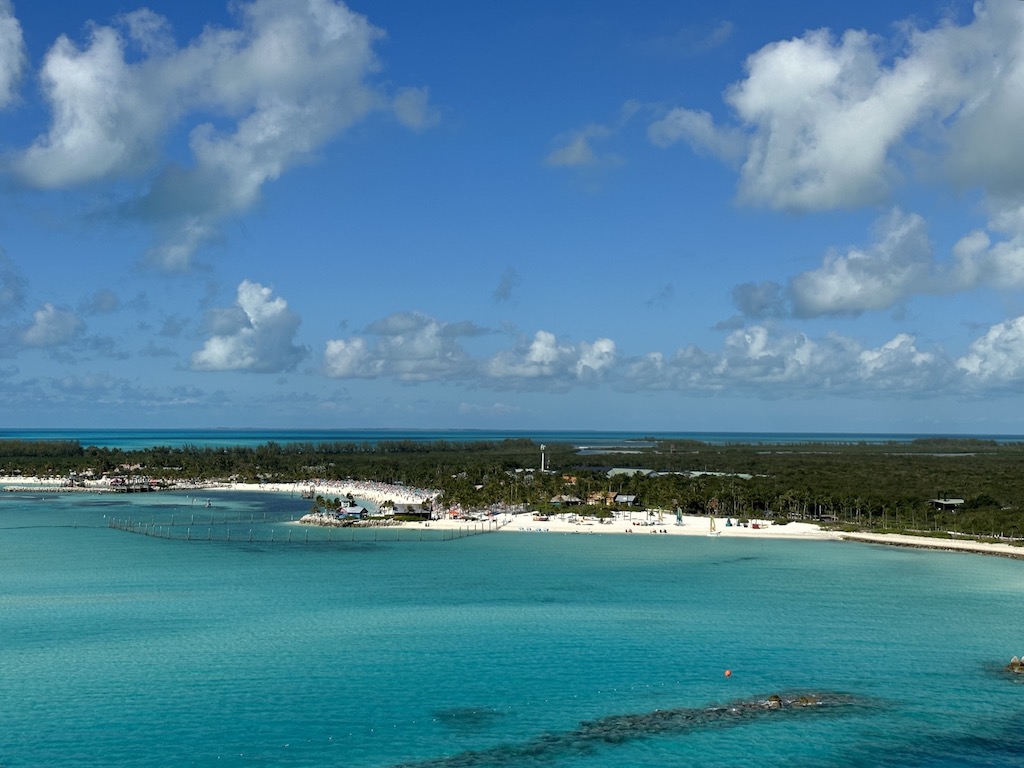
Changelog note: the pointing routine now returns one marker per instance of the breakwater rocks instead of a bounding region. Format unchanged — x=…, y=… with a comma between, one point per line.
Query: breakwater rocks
x=1005, y=548
x=619, y=729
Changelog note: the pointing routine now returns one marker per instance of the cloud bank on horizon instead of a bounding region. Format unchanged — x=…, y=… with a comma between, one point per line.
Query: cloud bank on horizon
x=401, y=222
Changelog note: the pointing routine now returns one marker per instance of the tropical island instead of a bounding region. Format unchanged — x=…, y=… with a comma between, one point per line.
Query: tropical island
x=946, y=489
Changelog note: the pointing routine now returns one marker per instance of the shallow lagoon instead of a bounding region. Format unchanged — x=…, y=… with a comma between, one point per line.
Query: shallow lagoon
x=130, y=650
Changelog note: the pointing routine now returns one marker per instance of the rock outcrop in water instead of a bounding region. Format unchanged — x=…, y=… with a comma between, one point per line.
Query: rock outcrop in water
x=332, y=520
x=1016, y=666
x=619, y=729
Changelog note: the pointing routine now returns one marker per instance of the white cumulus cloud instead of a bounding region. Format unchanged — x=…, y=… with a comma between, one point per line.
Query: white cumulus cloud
x=899, y=366
x=698, y=129
x=257, y=100
x=546, y=362
x=256, y=334
x=989, y=71
x=826, y=114
x=409, y=346
x=51, y=326
x=103, y=124
x=770, y=362
x=997, y=358
x=896, y=266
x=836, y=120
x=414, y=347
x=594, y=359
x=12, y=54
x=979, y=260
x=767, y=361
x=349, y=359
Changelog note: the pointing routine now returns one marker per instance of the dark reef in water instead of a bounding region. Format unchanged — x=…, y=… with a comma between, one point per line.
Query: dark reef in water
x=467, y=719
x=619, y=729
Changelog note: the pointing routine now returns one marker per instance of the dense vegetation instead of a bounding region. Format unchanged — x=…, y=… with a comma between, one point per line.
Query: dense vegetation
x=870, y=486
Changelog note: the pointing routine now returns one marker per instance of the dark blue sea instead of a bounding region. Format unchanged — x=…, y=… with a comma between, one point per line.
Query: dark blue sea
x=128, y=439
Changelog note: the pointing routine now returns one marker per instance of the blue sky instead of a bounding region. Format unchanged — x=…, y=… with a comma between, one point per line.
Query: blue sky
x=794, y=216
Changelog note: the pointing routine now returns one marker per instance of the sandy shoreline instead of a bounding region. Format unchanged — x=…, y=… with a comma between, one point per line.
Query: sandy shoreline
x=624, y=523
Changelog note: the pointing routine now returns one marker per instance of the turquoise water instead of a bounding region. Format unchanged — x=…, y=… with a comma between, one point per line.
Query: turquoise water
x=134, y=439
x=121, y=649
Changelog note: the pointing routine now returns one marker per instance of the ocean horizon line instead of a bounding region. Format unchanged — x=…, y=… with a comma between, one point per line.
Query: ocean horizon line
x=140, y=438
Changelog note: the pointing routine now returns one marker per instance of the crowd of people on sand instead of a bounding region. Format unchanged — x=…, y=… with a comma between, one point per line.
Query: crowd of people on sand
x=656, y=530
x=367, y=490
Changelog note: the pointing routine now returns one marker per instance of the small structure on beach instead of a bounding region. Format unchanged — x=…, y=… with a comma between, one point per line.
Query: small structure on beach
x=628, y=472
x=341, y=518
x=949, y=505
x=565, y=500
x=132, y=484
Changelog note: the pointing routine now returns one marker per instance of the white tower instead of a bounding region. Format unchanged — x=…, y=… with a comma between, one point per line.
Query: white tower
x=542, y=448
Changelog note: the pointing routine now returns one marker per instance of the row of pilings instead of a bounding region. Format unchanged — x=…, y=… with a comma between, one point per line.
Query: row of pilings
x=261, y=529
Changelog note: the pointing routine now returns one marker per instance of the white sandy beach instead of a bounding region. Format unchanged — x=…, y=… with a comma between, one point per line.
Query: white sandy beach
x=701, y=526
x=637, y=524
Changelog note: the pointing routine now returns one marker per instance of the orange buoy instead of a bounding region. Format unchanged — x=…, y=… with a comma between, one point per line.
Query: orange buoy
x=728, y=673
